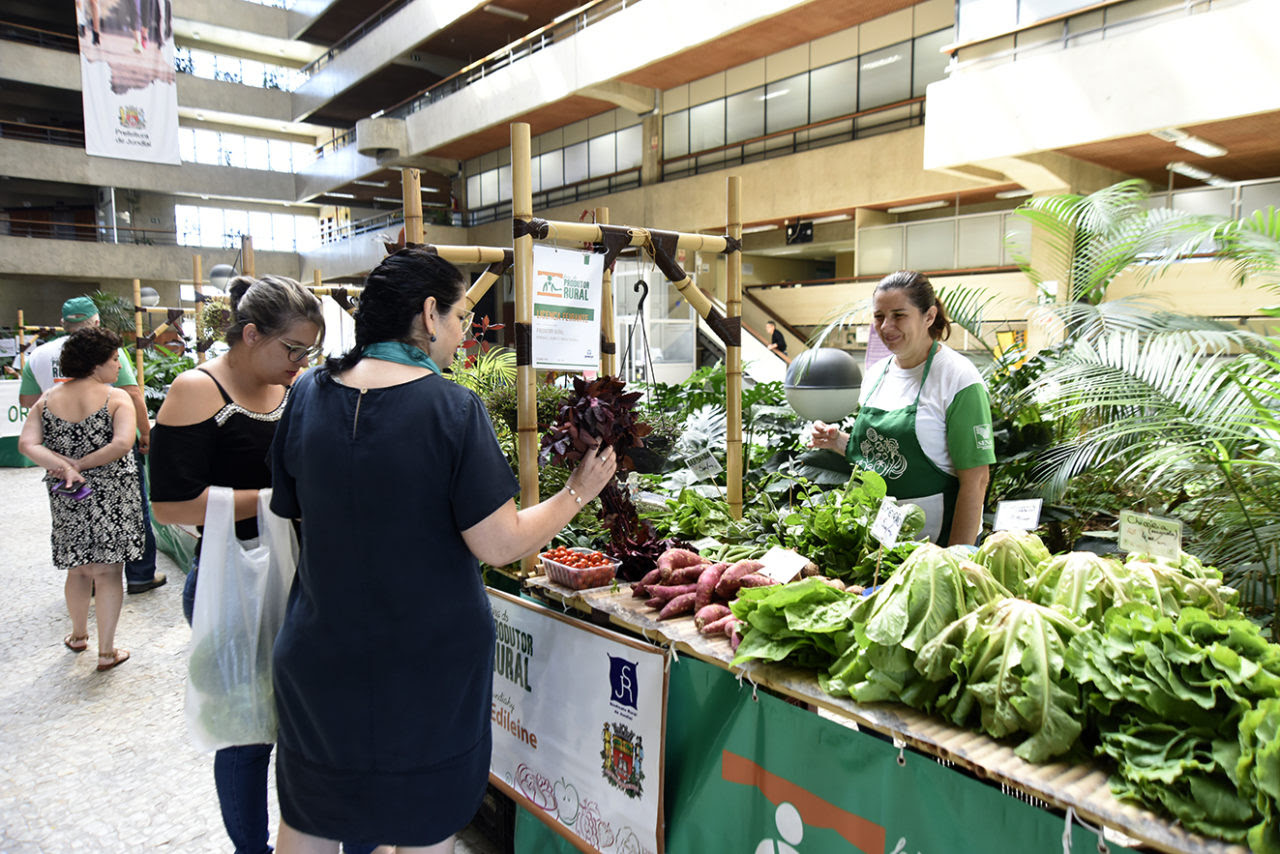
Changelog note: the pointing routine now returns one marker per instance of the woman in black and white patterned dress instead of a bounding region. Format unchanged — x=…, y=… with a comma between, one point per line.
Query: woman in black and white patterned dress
x=81, y=432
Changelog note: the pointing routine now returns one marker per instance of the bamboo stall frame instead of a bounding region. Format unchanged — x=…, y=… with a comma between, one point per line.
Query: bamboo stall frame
x=608, y=346
x=661, y=246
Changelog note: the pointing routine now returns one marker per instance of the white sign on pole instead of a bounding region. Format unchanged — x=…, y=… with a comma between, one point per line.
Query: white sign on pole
x=705, y=466
x=888, y=523
x=1151, y=535
x=566, y=309
x=14, y=415
x=782, y=565
x=578, y=719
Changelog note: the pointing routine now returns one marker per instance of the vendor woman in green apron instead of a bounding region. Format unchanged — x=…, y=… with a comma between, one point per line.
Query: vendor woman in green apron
x=924, y=423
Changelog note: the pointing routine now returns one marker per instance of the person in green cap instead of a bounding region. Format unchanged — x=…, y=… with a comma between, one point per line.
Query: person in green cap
x=43, y=370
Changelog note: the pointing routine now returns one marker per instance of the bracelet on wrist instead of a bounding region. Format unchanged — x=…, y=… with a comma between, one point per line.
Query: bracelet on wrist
x=576, y=496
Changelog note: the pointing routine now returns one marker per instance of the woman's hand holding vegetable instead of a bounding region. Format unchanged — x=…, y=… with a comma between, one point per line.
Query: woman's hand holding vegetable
x=828, y=437
x=591, y=475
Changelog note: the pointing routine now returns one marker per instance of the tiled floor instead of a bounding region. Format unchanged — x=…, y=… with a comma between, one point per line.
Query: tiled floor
x=97, y=762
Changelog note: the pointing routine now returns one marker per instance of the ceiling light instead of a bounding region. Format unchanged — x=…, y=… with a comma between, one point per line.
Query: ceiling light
x=1186, y=141
x=1218, y=181
x=919, y=206
x=363, y=183
x=1170, y=134
x=386, y=199
x=1189, y=171
x=1013, y=194
x=756, y=229
x=430, y=189
x=833, y=218
x=789, y=252
x=506, y=13
x=341, y=195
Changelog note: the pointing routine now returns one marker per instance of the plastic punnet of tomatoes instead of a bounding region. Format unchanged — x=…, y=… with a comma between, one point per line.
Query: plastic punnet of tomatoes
x=578, y=568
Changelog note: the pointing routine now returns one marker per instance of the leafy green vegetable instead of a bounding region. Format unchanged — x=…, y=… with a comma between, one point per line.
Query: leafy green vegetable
x=805, y=622
x=1004, y=662
x=1013, y=557
x=1174, y=700
x=927, y=594
x=1080, y=584
x=1258, y=770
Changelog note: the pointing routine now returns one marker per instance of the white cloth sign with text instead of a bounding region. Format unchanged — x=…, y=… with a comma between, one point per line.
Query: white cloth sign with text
x=566, y=309
x=578, y=716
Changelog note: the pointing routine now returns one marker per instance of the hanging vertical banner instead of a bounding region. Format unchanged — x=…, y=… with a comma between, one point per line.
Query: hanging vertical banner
x=578, y=724
x=566, y=309
x=128, y=79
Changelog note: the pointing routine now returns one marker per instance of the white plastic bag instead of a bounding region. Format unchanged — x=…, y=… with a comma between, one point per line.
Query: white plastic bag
x=241, y=593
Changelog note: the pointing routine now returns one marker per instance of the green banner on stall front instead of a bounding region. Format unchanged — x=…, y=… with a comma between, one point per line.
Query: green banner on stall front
x=759, y=775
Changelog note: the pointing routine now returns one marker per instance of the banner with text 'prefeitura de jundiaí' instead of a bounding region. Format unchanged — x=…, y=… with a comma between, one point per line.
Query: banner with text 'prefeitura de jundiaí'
x=578, y=714
x=128, y=79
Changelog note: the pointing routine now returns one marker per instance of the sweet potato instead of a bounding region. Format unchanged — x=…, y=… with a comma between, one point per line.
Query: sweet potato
x=718, y=627
x=667, y=592
x=727, y=586
x=707, y=581
x=677, y=558
x=685, y=574
x=682, y=604
x=755, y=579
x=709, y=614
x=735, y=637
x=641, y=588
x=656, y=604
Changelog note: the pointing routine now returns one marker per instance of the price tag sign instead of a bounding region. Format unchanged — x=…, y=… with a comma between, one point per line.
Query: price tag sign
x=705, y=466
x=1018, y=515
x=1151, y=535
x=888, y=523
x=705, y=543
x=782, y=565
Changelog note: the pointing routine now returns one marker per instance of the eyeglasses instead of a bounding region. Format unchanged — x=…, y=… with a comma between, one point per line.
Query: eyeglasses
x=299, y=353
x=466, y=320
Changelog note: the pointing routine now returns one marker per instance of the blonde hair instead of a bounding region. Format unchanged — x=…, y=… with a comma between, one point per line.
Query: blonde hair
x=272, y=304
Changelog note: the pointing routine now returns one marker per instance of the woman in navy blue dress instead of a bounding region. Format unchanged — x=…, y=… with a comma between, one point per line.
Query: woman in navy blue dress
x=384, y=666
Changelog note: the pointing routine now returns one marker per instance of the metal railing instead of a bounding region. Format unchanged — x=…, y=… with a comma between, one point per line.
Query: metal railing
x=1114, y=16
x=342, y=140
x=12, y=32
x=363, y=29
x=910, y=113
x=575, y=192
x=71, y=137
x=85, y=232
x=561, y=28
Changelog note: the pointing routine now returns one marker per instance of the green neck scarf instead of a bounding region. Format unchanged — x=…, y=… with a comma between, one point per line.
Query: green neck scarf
x=402, y=354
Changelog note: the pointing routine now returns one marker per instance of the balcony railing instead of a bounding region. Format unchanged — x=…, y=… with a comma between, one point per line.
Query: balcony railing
x=339, y=142
x=85, y=232
x=566, y=194
x=72, y=137
x=561, y=28
x=41, y=38
x=367, y=26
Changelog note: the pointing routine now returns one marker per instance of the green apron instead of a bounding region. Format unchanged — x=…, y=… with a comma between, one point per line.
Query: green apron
x=885, y=442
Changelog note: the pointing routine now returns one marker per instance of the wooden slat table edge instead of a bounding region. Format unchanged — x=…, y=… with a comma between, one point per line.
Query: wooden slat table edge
x=1053, y=783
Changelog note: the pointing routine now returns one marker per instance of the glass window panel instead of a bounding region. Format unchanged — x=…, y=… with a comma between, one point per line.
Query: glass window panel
x=833, y=90
x=1212, y=202
x=630, y=147
x=187, y=221
x=672, y=342
x=1030, y=11
x=602, y=155
x=207, y=146
x=880, y=250
x=931, y=245
x=282, y=229
x=307, y=233
x=552, y=165
x=706, y=126
x=233, y=150
x=489, y=187
x=187, y=144
x=575, y=163
x=257, y=154
x=929, y=63
x=981, y=18
x=1256, y=197
x=787, y=103
x=279, y=153
x=744, y=115
x=473, y=192
x=253, y=72
x=535, y=174
x=675, y=134
x=211, y=233
x=1017, y=238
x=260, y=229
x=979, y=241
x=884, y=76
x=202, y=64
x=301, y=155
x=504, y=183
x=235, y=223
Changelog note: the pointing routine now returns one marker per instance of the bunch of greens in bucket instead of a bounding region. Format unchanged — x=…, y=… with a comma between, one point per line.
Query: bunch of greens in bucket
x=600, y=414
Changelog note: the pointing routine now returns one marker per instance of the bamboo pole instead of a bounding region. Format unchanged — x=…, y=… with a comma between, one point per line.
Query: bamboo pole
x=733, y=356
x=246, y=253
x=317, y=281
x=526, y=376
x=587, y=232
x=608, y=354
x=137, y=325
x=411, y=195
x=471, y=254
x=196, y=276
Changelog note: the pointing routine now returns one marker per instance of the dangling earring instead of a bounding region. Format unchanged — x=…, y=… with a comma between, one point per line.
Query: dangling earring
x=433, y=339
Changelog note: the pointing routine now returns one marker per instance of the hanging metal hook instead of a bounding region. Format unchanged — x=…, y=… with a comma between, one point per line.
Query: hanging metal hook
x=641, y=287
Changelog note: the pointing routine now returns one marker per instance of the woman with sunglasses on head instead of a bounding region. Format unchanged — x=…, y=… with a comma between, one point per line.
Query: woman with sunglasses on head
x=215, y=429
x=384, y=665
